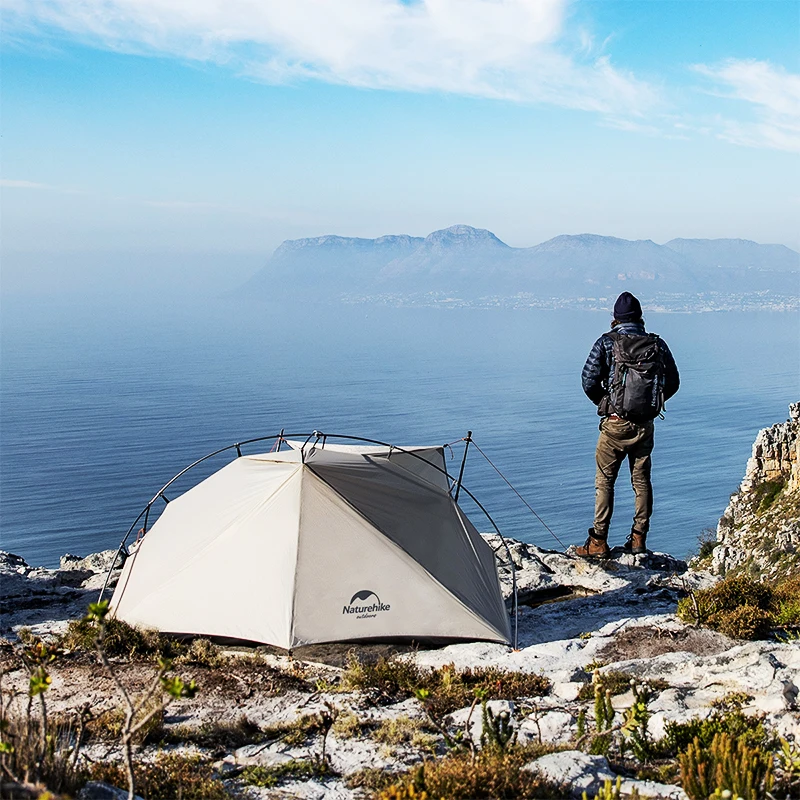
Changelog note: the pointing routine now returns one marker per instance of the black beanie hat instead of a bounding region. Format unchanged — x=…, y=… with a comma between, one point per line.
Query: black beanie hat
x=627, y=308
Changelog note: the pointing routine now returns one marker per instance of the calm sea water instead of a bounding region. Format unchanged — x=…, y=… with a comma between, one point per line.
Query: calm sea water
x=101, y=406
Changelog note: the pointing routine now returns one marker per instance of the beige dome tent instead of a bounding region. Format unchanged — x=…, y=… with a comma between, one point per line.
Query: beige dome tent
x=317, y=544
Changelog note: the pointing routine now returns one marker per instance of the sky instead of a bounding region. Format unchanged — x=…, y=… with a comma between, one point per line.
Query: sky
x=149, y=142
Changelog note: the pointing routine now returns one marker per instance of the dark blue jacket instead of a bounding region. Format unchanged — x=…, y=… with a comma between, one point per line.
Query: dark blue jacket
x=599, y=365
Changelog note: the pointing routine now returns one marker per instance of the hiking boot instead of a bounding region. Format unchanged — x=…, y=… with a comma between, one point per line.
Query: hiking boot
x=636, y=544
x=594, y=547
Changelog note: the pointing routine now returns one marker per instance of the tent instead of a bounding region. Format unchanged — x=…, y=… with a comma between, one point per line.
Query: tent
x=317, y=544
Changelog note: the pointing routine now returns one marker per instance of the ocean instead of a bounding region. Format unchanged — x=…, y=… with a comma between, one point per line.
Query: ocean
x=101, y=404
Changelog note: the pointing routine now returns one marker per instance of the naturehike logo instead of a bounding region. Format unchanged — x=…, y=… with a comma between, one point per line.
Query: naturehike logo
x=361, y=606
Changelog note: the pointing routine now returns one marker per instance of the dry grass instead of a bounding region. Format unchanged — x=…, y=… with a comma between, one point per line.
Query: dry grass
x=743, y=608
x=390, y=680
x=167, y=777
x=489, y=774
x=404, y=730
x=216, y=735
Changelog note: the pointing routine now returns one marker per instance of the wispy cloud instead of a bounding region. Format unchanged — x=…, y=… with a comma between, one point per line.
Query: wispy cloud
x=773, y=95
x=7, y=183
x=512, y=49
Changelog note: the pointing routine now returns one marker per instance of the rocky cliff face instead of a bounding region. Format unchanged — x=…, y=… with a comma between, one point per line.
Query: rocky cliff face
x=759, y=533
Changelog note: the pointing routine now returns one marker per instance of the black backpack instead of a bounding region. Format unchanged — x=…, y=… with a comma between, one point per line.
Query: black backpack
x=635, y=389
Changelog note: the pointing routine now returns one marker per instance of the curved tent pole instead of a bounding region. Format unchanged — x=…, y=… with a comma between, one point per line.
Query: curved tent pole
x=318, y=434
x=160, y=493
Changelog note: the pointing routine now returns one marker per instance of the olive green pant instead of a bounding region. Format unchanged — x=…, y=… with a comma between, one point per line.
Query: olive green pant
x=620, y=439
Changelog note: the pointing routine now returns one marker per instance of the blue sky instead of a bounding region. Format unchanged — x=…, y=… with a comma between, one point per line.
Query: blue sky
x=195, y=135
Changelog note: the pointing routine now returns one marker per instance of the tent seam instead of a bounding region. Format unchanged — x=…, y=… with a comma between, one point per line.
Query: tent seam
x=402, y=549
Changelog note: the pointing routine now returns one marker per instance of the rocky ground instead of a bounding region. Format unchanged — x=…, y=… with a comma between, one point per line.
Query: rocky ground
x=617, y=613
x=578, y=621
x=759, y=533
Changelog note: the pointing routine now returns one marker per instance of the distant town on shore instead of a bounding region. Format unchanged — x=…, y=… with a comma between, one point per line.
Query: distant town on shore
x=470, y=267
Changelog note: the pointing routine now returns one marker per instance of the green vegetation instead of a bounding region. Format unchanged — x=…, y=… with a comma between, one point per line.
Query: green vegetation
x=615, y=682
x=765, y=494
x=726, y=764
x=120, y=640
x=743, y=608
x=214, y=735
x=296, y=732
x=612, y=791
x=347, y=726
x=491, y=773
x=269, y=777
x=371, y=779
x=726, y=718
x=446, y=688
x=706, y=543
x=404, y=730
x=168, y=776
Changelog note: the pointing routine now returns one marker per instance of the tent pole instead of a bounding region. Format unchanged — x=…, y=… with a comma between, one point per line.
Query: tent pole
x=463, y=464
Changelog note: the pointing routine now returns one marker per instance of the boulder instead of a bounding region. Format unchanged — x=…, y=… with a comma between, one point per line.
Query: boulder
x=585, y=773
x=553, y=727
x=581, y=772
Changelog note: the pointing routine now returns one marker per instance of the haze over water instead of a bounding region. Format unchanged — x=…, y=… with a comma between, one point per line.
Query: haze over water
x=101, y=406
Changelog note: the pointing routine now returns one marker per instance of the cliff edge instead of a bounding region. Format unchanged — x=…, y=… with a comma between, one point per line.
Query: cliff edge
x=759, y=533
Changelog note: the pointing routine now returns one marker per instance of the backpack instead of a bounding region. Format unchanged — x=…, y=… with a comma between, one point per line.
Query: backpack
x=635, y=389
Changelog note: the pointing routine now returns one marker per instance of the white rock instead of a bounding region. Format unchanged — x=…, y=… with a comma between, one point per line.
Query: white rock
x=98, y=790
x=94, y=562
x=354, y=754
x=262, y=755
x=585, y=773
x=554, y=727
x=651, y=789
x=568, y=690
x=582, y=772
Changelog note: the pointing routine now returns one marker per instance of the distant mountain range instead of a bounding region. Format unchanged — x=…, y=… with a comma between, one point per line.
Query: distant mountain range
x=473, y=263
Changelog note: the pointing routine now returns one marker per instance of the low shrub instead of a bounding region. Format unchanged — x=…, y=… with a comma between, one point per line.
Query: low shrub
x=488, y=774
x=403, y=730
x=743, y=608
x=22, y=759
x=745, y=622
x=269, y=777
x=227, y=735
x=108, y=724
x=612, y=791
x=120, y=641
x=447, y=688
x=296, y=732
x=616, y=682
x=726, y=718
x=201, y=652
x=727, y=764
x=371, y=779
x=706, y=544
x=347, y=726
x=168, y=776
x=765, y=494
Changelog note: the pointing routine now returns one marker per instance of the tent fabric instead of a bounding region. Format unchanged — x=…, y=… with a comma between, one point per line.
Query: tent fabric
x=426, y=462
x=327, y=544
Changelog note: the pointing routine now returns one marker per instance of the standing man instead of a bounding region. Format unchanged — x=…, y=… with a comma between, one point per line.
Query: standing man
x=629, y=375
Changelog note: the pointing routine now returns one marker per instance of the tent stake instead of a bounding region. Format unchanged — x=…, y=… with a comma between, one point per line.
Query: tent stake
x=463, y=464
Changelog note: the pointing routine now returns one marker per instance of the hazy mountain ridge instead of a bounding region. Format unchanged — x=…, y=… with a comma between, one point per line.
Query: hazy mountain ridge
x=472, y=262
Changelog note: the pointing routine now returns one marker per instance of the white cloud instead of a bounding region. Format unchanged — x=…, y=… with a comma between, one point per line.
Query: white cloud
x=7, y=183
x=488, y=48
x=774, y=97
